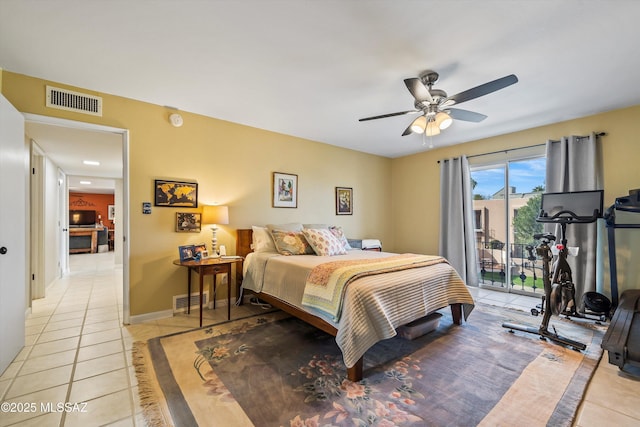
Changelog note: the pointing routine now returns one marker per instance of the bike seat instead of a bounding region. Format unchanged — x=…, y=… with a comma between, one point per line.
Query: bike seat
x=545, y=236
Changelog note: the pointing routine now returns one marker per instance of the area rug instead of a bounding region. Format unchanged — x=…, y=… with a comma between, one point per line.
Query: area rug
x=274, y=370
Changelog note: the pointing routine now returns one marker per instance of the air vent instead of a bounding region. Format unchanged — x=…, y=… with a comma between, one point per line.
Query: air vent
x=69, y=100
x=181, y=302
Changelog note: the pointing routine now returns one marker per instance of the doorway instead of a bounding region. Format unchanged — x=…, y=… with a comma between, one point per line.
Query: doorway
x=55, y=180
x=506, y=199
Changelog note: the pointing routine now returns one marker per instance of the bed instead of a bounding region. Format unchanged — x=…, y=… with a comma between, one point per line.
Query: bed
x=371, y=308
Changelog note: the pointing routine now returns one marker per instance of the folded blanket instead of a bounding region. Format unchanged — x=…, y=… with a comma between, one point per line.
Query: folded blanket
x=327, y=282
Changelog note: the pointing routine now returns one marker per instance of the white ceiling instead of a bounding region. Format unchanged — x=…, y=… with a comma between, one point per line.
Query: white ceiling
x=313, y=68
x=68, y=148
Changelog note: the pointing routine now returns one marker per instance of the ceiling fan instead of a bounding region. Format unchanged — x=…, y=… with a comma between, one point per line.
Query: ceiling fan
x=435, y=106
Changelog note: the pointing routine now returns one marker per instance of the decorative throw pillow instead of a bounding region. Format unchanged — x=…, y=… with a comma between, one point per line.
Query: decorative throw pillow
x=324, y=242
x=262, y=240
x=291, y=243
x=337, y=231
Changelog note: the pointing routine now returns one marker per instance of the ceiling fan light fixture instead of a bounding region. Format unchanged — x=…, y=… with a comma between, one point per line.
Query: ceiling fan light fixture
x=419, y=125
x=432, y=129
x=443, y=120
x=434, y=104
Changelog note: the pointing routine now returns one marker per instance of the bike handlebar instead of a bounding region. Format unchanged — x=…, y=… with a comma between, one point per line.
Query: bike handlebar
x=567, y=216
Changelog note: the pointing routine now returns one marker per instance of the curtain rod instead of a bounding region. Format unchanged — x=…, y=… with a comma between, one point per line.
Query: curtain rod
x=598, y=134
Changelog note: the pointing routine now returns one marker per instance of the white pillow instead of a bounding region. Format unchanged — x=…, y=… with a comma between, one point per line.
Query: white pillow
x=324, y=242
x=262, y=240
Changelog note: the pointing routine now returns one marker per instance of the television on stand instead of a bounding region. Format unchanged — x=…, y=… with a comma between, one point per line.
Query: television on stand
x=79, y=218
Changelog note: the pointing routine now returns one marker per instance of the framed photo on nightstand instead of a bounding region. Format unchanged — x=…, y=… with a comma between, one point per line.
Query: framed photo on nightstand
x=187, y=253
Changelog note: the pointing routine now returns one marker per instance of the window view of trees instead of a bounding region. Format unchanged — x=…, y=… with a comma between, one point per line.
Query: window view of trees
x=524, y=221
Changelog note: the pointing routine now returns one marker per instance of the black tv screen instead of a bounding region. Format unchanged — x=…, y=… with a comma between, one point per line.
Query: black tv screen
x=82, y=217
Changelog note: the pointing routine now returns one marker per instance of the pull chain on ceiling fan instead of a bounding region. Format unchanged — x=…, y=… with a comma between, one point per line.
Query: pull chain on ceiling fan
x=435, y=106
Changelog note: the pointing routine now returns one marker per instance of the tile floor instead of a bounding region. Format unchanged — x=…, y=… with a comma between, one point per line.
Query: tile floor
x=77, y=351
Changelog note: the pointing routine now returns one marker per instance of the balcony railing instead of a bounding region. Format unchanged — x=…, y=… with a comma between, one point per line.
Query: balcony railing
x=525, y=266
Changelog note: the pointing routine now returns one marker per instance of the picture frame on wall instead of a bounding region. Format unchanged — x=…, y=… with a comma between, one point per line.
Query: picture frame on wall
x=111, y=212
x=285, y=190
x=188, y=222
x=344, y=201
x=179, y=194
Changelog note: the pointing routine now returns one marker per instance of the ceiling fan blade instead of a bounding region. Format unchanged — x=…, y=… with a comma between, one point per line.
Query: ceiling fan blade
x=383, y=116
x=408, y=130
x=418, y=89
x=465, y=115
x=484, y=89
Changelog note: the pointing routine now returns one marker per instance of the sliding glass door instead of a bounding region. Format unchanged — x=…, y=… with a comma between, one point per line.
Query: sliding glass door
x=506, y=202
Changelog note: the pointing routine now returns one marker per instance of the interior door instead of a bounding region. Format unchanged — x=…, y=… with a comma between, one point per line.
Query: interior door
x=13, y=214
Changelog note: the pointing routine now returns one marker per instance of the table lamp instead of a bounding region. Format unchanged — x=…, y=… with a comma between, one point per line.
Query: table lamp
x=214, y=215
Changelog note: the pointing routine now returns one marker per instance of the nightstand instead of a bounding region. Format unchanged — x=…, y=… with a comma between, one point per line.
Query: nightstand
x=212, y=267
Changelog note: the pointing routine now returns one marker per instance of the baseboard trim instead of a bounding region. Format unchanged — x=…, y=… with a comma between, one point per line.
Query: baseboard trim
x=141, y=318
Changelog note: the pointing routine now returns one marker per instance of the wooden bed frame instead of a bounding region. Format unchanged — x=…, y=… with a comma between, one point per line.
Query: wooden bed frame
x=243, y=247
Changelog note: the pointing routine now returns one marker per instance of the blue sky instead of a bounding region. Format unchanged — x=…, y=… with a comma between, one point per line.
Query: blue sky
x=524, y=175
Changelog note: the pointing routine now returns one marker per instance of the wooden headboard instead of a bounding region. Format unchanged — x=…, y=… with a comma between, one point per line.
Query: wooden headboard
x=244, y=241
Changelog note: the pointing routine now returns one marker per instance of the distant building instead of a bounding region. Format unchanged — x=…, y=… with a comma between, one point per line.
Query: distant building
x=491, y=223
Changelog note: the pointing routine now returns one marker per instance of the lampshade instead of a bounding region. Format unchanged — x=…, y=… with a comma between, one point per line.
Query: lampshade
x=432, y=129
x=443, y=120
x=215, y=214
x=419, y=124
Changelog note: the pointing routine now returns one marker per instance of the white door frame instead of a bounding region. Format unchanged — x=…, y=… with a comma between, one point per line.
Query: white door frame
x=124, y=222
x=37, y=288
x=63, y=221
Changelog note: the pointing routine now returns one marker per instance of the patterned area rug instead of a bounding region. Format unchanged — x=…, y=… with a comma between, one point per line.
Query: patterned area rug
x=274, y=370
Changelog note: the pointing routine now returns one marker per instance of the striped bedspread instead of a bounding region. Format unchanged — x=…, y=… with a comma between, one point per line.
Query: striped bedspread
x=326, y=284
x=373, y=306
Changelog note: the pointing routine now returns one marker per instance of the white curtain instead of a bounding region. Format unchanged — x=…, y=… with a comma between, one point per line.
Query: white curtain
x=574, y=164
x=457, y=230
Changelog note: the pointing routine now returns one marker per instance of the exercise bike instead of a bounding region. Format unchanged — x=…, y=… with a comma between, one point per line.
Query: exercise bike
x=596, y=307
x=554, y=293
x=559, y=288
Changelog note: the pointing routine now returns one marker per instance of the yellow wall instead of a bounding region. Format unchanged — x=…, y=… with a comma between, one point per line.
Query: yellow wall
x=396, y=200
x=416, y=179
x=233, y=165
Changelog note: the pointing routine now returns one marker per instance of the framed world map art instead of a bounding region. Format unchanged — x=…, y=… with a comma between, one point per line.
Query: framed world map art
x=175, y=194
